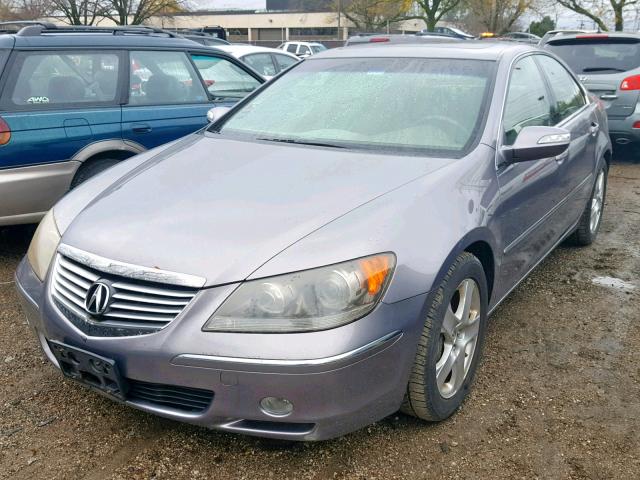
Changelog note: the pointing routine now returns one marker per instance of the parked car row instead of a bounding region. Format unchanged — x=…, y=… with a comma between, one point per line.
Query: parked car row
x=276, y=273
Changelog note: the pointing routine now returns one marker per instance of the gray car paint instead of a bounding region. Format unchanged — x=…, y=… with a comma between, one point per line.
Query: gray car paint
x=228, y=210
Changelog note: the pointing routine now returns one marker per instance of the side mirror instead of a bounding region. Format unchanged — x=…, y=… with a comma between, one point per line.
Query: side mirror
x=216, y=113
x=536, y=143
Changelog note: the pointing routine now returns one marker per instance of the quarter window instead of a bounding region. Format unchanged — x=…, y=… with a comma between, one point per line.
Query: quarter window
x=567, y=94
x=284, y=61
x=163, y=78
x=527, y=100
x=224, y=80
x=65, y=78
x=261, y=63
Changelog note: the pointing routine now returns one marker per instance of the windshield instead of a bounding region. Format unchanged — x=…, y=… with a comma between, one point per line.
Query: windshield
x=594, y=56
x=399, y=104
x=318, y=48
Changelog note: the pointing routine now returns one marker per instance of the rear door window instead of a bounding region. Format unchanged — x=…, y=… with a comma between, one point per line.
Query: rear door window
x=164, y=78
x=598, y=55
x=224, y=79
x=261, y=63
x=291, y=48
x=528, y=102
x=58, y=79
x=568, y=97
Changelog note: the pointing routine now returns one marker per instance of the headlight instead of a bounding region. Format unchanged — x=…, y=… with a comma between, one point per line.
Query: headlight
x=43, y=245
x=317, y=299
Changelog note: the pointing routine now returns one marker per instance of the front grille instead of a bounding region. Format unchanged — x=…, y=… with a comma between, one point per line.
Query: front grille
x=171, y=396
x=135, y=307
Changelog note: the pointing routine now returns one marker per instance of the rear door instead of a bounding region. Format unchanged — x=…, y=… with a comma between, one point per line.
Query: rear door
x=57, y=102
x=572, y=111
x=602, y=63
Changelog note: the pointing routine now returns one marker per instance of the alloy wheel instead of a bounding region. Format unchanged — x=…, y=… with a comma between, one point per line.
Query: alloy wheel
x=458, y=338
x=597, y=203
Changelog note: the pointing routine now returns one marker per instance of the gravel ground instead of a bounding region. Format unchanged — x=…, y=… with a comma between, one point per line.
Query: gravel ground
x=557, y=395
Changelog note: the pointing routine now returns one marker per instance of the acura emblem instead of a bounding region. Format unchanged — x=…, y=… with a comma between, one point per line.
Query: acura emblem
x=97, y=299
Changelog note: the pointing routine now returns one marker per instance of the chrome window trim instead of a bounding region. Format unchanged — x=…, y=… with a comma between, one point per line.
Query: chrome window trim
x=128, y=270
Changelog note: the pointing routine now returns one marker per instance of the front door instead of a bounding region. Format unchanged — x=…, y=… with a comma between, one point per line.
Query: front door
x=529, y=191
x=166, y=98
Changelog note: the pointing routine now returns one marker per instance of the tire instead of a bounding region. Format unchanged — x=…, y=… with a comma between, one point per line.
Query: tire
x=93, y=167
x=586, y=232
x=424, y=398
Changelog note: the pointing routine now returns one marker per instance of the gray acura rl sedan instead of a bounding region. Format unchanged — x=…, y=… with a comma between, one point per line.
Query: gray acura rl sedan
x=328, y=251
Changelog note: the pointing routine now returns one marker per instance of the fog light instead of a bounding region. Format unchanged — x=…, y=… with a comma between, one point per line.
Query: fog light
x=276, y=407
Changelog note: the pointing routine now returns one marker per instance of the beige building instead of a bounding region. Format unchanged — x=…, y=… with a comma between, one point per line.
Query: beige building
x=269, y=26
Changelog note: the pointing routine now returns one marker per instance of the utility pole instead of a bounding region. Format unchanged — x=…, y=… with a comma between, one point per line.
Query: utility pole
x=339, y=15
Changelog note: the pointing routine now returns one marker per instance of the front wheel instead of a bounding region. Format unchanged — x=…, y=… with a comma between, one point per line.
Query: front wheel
x=451, y=342
x=587, y=229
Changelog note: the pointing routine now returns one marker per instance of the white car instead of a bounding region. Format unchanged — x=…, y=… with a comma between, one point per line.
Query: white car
x=268, y=62
x=303, y=49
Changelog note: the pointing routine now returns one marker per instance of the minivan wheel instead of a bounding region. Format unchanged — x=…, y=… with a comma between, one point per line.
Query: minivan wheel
x=451, y=342
x=587, y=229
x=91, y=168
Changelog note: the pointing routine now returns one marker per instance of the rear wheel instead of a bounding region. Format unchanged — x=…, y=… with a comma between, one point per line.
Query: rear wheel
x=451, y=343
x=587, y=229
x=93, y=167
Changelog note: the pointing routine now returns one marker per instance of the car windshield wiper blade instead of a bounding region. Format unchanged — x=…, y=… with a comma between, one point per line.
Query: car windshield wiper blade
x=301, y=142
x=600, y=69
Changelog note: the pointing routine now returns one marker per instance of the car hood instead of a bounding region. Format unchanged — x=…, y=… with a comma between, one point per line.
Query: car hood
x=219, y=208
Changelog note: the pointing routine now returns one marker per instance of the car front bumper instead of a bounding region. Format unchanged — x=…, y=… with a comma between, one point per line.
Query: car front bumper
x=338, y=380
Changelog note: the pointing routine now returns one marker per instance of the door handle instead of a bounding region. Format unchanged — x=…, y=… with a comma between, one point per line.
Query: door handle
x=593, y=129
x=609, y=96
x=141, y=128
x=562, y=157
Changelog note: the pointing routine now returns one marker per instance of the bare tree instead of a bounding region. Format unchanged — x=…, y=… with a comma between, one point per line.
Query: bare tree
x=498, y=16
x=135, y=12
x=80, y=12
x=373, y=15
x=432, y=11
x=590, y=9
x=24, y=9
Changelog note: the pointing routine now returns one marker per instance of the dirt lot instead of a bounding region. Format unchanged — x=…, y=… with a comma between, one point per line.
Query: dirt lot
x=558, y=393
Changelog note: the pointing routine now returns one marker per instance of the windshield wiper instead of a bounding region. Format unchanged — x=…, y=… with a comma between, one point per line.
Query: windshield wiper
x=301, y=142
x=601, y=69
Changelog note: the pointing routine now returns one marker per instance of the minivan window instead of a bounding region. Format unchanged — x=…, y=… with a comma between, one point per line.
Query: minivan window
x=440, y=110
x=598, y=55
x=568, y=97
x=163, y=78
x=528, y=102
x=65, y=78
x=224, y=79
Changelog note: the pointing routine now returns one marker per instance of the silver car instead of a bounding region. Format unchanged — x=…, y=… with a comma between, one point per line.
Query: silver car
x=608, y=64
x=313, y=262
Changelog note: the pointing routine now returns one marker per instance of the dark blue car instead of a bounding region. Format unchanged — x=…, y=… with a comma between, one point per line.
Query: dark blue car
x=75, y=101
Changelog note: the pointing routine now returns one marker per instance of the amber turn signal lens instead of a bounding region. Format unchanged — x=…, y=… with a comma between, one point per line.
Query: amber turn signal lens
x=376, y=270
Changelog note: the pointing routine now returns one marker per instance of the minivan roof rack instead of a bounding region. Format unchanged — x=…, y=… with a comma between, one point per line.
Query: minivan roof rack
x=35, y=28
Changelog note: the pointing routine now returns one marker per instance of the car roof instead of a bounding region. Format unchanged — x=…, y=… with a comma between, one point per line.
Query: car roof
x=35, y=35
x=240, y=49
x=472, y=49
